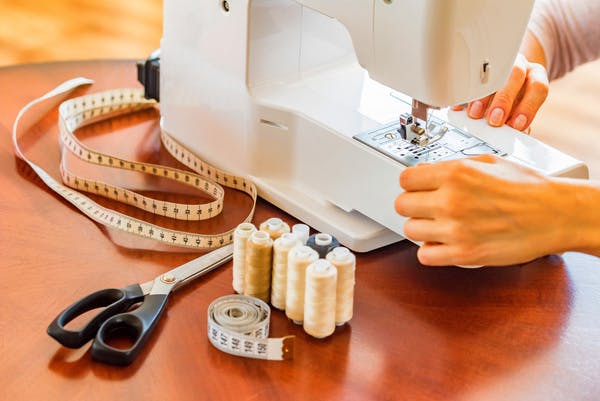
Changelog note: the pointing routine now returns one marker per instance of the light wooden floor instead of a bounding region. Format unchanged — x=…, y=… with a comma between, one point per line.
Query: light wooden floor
x=49, y=30
x=570, y=118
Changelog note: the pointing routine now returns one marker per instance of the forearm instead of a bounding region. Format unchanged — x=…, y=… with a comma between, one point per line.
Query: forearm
x=582, y=215
x=532, y=49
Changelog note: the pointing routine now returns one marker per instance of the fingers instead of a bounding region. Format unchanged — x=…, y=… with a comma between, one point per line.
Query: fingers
x=425, y=230
x=535, y=93
x=435, y=254
x=489, y=159
x=518, y=102
x=429, y=177
x=415, y=204
x=477, y=108
x=504, y=99
x=424, y=177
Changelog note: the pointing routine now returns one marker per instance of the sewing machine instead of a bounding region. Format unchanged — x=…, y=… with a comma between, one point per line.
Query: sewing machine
x=309, y=98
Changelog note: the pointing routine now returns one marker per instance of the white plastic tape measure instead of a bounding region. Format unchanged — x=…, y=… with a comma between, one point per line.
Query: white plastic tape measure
x=239, y=325
x=78, y=112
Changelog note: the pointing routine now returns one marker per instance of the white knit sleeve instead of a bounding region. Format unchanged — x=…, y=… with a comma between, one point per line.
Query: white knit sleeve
x=569, y=32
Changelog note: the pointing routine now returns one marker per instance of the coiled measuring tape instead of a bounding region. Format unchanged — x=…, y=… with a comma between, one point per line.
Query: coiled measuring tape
x=239, y=325
x=88, y=109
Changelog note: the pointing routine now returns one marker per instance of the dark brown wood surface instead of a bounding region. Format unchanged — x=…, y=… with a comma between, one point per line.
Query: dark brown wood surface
x=523, y=332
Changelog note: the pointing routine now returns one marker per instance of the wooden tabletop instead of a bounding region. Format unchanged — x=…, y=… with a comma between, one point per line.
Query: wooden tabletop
x=522, y=332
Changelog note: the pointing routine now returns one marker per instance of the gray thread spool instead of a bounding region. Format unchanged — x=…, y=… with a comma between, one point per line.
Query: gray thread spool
x=322, y=243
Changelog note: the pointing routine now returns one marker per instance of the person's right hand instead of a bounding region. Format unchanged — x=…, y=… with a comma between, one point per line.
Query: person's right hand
x=519, y=101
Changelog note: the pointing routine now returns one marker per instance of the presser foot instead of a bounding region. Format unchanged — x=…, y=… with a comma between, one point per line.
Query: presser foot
x=412, y=141
x=421, y=132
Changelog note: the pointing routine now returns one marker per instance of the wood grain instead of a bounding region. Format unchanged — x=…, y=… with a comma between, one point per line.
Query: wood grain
x=522, y=332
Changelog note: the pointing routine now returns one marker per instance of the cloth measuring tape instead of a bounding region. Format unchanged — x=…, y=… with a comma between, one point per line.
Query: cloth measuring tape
x=78, y=112
x=239, y=325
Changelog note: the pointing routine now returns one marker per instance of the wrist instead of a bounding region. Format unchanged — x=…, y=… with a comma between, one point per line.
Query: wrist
x=581, y=227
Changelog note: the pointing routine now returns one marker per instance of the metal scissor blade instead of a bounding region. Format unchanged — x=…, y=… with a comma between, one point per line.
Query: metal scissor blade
x=199, y=266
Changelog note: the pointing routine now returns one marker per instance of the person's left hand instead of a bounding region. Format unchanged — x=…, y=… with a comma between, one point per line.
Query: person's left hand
x=481, y=211
x=517, y=103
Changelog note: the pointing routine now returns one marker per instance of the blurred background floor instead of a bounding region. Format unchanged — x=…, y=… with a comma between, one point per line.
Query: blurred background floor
x=51, y=30
x=569, y=120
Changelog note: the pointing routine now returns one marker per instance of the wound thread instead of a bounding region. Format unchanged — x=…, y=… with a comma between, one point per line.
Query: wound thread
x=320, y=299
x=299, y=258
x=275, y=227
x=322, y=243
x=240, y=238
x=301, y=231
x=344, y=262
x=259, y=257
x=281, y=249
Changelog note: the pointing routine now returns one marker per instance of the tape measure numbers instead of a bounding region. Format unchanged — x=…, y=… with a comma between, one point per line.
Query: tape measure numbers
x=78, y=112
x=239, y=325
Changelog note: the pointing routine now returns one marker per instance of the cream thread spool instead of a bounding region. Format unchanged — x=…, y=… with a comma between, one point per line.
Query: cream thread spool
x=322, y=243
x=240, y=238
x=298, y=260
x=301, y=231
x=275, y=227
x=345, y=263
x=259, y=259
x=281, y=249
x=320, y=299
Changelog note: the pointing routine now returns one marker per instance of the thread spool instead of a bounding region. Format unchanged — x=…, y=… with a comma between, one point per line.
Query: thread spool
x=301, y=231
x=281, y=249
x=320, y=299
x=240, y=238
x=344, y=262
x=275, y=227
x=259, y=257
x=298, y=260
x=322, y=243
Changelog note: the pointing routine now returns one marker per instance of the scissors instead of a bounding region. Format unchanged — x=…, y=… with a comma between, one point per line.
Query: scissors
x=117, y=321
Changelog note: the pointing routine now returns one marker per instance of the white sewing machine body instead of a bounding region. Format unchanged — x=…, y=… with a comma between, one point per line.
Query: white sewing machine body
x=273, y=90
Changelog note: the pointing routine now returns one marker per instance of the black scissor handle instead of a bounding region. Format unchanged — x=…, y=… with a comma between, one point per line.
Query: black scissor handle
x=135, y=326
x=113, y=300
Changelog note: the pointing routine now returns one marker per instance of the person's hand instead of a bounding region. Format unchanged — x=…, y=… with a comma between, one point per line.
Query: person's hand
x=519, y=101
x=483, y=211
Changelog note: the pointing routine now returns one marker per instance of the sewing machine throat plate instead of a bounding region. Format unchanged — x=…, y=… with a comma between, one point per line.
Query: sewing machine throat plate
x=454, y=144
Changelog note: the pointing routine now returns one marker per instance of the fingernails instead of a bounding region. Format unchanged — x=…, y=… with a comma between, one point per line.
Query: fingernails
x=496, y=117
x=520, y=122
x=476, y=109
